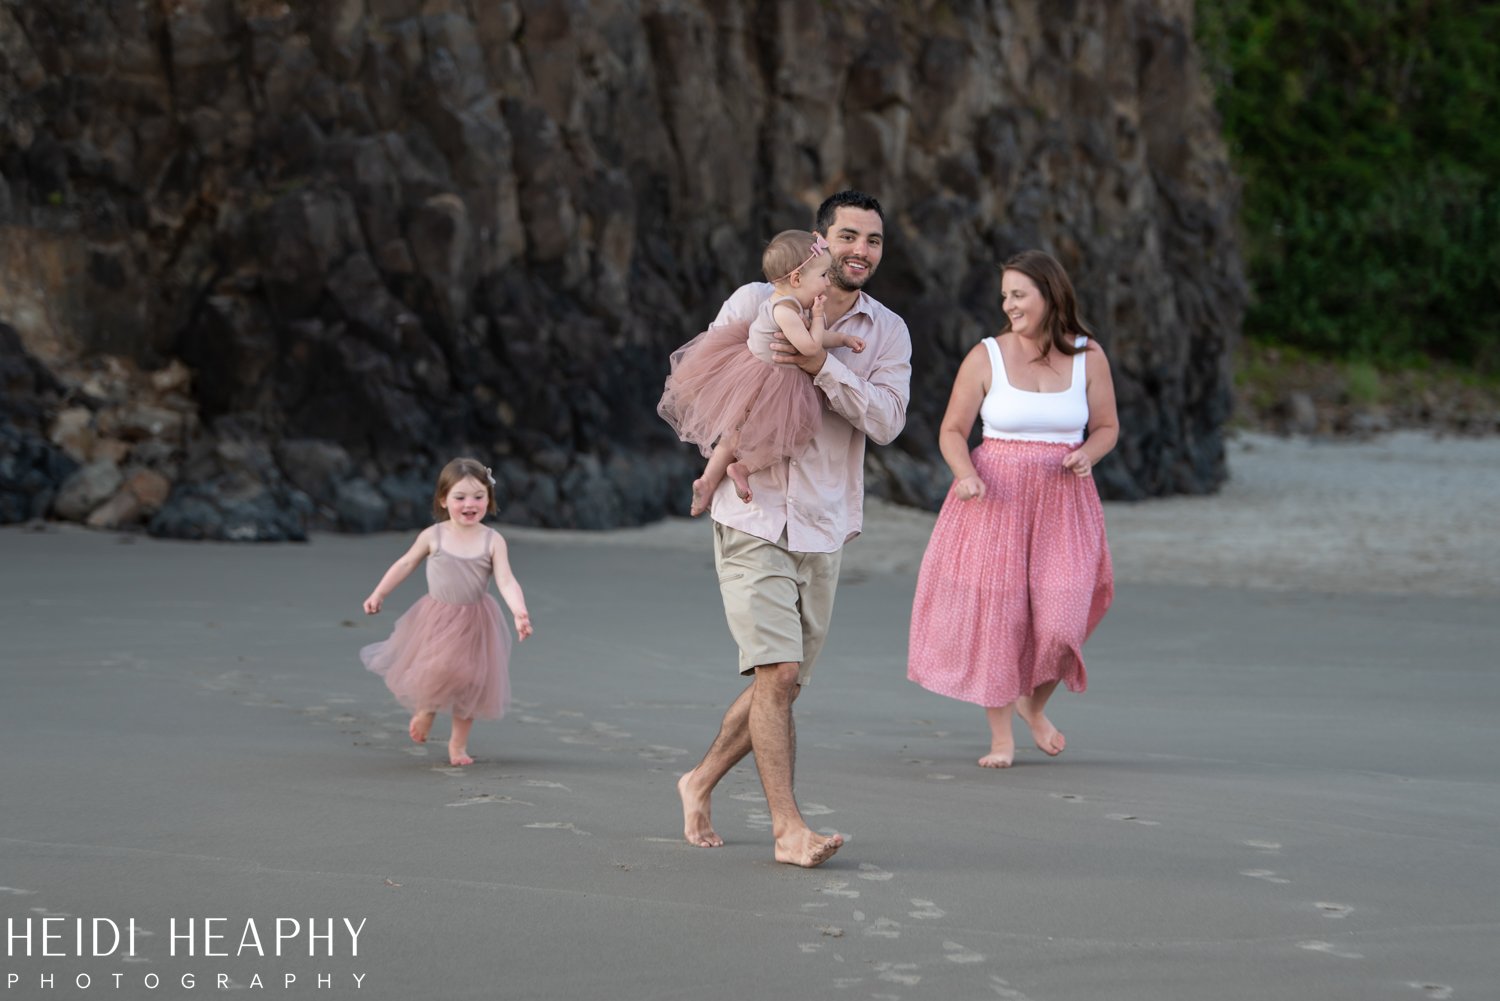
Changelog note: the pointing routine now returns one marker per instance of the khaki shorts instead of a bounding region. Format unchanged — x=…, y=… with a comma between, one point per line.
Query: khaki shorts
x=778, y=603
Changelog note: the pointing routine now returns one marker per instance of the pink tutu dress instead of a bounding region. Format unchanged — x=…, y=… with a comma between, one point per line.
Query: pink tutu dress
x=450, y=652
x=724, y=380
x=1012, y=584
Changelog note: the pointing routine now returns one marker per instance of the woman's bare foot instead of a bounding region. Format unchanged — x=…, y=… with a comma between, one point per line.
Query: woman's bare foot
x=741, y=477
x=703, y=496
x=696, y=827
x=420, y=726
x=807, y=849
x=459, y=756
x=999, y=757
x=1048, y=737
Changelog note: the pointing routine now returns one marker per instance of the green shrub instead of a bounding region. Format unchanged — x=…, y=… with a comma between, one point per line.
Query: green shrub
x=1368, y=136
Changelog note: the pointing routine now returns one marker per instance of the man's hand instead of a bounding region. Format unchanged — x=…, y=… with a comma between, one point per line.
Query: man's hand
x=786, y=354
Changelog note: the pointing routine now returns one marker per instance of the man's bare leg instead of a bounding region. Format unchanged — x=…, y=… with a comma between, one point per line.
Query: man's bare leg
x=773, y=739
x=696, y=787
x=1048, y=737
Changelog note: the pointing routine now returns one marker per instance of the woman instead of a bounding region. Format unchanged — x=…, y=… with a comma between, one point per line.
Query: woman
x=1017, y=573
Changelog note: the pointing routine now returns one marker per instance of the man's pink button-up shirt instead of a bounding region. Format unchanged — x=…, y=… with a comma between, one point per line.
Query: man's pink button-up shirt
x=818, y=496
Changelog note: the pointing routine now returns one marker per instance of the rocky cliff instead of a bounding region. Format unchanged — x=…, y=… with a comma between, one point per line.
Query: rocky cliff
x=263, y=265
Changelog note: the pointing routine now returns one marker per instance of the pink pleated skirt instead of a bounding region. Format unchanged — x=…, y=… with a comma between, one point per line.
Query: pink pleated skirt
x=447, y=658
x=1011, y=585
x=717, y=388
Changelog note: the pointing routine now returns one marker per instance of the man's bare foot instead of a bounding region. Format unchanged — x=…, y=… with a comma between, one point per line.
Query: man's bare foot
x=741, y=477
x=1048, y=737
x=703, y=496
x=807, y=849
x=696, y=827
x=421, y=724
x=459, y=756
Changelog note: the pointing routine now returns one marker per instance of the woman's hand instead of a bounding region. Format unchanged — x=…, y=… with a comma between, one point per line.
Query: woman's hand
x=1079, y=463
x=969, y=487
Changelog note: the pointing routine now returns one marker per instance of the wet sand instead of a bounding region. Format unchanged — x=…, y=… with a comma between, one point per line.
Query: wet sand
x=1280, y=784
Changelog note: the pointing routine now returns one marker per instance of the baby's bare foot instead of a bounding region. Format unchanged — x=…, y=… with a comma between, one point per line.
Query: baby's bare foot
x=696, y=827
x=420, y=726
x=807, y=849
x=741, y=477
x=702, y=497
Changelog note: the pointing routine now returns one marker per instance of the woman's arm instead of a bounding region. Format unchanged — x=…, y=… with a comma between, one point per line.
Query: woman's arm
x=969, y=387
x=1104, y=421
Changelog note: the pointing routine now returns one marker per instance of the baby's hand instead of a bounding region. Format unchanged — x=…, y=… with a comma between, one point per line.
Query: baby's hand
x=817, y=307
x=372, y=604
x=855, y=344
x=523, y=625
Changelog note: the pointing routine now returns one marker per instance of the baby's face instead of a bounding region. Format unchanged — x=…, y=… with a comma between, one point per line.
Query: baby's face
x=813, y=279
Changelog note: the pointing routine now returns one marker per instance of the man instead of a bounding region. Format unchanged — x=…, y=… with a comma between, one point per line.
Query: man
x=778, y=555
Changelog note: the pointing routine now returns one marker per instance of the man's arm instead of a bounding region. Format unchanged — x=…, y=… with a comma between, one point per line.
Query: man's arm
x=742, y=305
x=875, y=404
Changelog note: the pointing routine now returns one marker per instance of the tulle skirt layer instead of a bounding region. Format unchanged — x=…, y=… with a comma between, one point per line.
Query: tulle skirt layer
x=1011, y=585
x=717, y=388
x=447, y=658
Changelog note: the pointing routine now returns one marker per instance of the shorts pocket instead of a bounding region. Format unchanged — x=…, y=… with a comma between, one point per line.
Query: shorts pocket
x=725, y=578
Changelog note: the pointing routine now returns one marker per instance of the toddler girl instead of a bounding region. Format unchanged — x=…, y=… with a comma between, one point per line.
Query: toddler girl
x=729, y=396
x=450, y=652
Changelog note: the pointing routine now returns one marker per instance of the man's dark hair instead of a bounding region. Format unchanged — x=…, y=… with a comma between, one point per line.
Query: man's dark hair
x=845, y=199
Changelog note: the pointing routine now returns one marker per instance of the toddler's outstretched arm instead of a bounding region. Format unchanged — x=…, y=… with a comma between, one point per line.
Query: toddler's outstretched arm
x=399, y=571
x=510, y=588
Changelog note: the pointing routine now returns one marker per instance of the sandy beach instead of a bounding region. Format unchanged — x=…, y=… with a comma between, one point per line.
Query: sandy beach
x=1280, y=784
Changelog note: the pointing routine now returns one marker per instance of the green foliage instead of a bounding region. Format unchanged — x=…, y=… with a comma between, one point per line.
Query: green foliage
x=1368, y=136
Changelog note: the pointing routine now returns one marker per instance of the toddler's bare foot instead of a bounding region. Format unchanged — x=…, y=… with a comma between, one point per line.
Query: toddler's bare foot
x=421, y=724
x=741, y=477
x=696, y=827
x=703, y=496
x=807, y=849
x=459, y=756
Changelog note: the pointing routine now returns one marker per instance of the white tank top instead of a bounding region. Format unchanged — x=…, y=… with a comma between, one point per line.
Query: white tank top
x=1023, y=415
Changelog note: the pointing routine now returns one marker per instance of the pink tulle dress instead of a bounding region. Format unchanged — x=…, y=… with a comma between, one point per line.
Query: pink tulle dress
x=450, y=652
x=724, y=380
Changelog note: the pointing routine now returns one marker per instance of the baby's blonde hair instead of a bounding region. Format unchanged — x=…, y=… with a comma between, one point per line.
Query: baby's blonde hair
x=460, y=469
x=790, y=250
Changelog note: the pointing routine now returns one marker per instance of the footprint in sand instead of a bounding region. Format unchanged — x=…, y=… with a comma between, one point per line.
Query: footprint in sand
x=544, y=784
x=657, y=752
x=868, y=870
x=16, y=891
x=416, y=752
x=1132, y=818
x=844, y=983
x=898, y=973
x=928, y=909
x=883, y=928
x=1329, y=910
x=1067, y=797
x=961, y=953
x=1264, y=847
x=838, y=888
x=1269, y=875
x=939, y=777
x=919, y=761
x=1330, y=949
x=557, y=825
x=1437, y=992
x=1003, y=989
x=749, y=797
x=815, y=810
x=485, y=797
x=810, y=947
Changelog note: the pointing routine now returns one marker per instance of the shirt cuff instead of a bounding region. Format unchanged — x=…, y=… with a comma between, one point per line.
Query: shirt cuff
x=833, y=374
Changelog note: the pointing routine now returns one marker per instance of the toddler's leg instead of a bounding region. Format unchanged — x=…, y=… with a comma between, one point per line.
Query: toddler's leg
x=458, y=742
x=420, y=726
x=705, y=485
